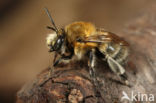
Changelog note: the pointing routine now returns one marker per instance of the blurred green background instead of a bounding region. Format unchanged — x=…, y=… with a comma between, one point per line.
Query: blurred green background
x=23, y=52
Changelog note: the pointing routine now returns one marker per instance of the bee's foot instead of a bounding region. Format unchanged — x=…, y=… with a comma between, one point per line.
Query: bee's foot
x=126, y=82
x=50, y=73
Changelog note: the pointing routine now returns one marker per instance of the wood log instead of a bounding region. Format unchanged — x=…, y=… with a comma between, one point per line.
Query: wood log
x=71, y=83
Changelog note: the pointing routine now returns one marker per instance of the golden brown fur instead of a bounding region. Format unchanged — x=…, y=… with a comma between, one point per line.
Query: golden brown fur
x=80, y=30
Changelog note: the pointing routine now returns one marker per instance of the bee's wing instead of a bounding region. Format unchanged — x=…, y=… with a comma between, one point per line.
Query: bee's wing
x=98, y=38
x=105, y=37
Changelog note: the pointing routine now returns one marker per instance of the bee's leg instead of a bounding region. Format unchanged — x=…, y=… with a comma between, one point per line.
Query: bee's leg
x=63, y=57
x=57, y=62
x=92, y=72
x=55, y=56
x=54, y=60
x=92, y=60
x=118, y=69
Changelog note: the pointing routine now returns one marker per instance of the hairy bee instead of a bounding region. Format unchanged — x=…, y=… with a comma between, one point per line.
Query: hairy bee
x=83, y=39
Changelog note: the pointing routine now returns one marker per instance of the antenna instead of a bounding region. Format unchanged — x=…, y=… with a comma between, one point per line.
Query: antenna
x=51, y=19
x=49, y=27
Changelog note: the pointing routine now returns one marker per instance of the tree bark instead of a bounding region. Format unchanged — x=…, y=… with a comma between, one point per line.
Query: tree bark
x=71, y=83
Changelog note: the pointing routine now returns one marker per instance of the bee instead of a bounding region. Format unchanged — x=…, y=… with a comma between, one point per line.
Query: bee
x=84, y=40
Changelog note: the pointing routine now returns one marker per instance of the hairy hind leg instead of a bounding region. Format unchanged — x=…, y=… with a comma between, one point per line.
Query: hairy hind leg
x=117, y=69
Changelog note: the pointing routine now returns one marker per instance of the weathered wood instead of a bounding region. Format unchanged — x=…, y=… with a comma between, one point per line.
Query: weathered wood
x=71, y=83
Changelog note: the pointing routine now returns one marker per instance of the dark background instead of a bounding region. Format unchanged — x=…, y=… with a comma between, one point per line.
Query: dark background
x=23, y=52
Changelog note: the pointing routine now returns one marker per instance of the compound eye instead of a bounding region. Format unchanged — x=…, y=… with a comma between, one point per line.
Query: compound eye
x=58, y=43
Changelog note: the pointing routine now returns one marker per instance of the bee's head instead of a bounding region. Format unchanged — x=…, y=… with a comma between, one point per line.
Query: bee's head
x=55, y=40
